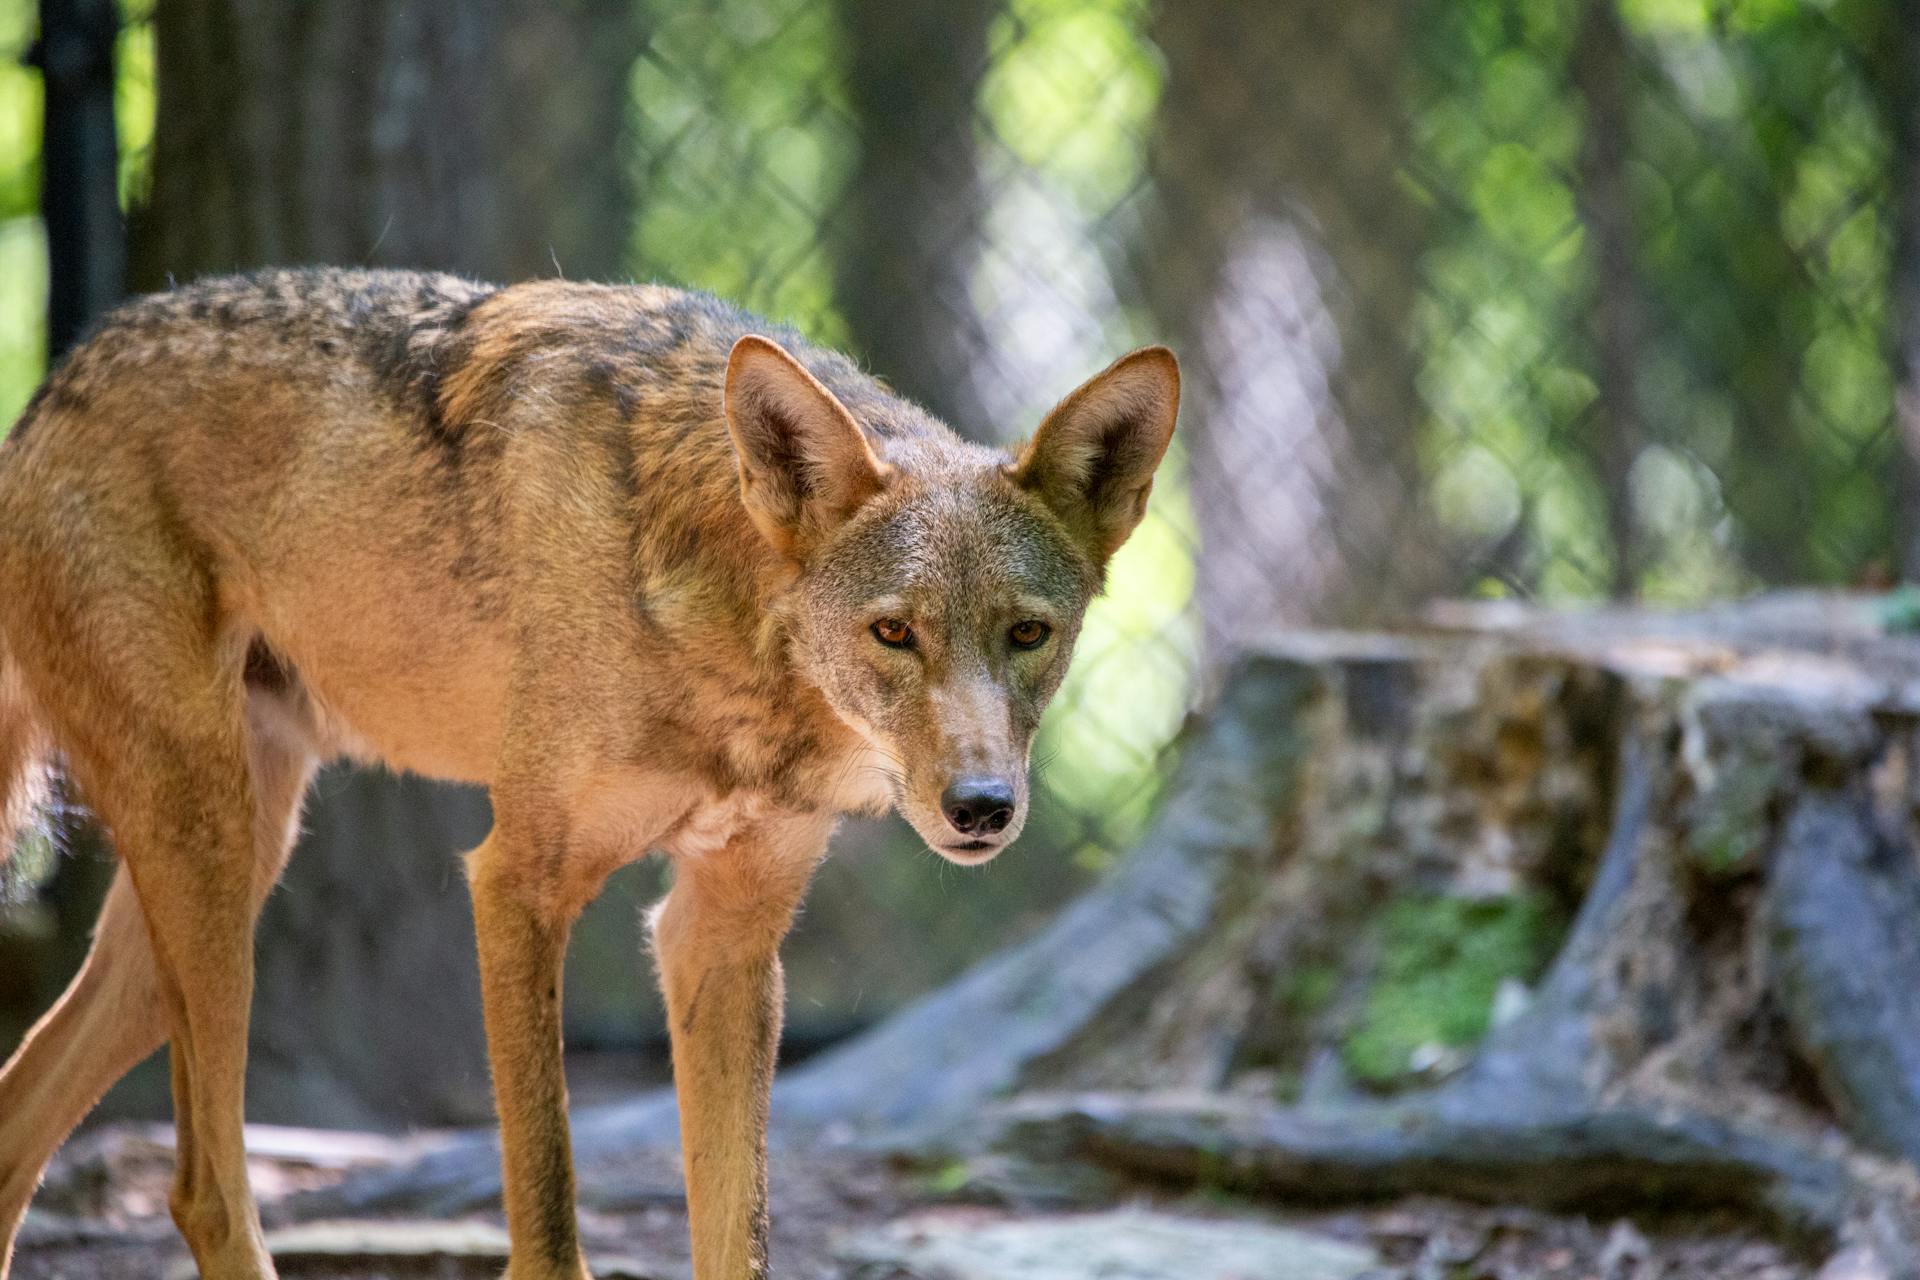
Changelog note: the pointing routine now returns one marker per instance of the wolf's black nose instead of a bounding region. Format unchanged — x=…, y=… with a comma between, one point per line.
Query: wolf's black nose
x=978, y=806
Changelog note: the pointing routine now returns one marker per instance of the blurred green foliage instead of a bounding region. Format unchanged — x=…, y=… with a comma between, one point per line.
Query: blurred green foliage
x=1070, y=93
x=740, y=144
x=1759, y=187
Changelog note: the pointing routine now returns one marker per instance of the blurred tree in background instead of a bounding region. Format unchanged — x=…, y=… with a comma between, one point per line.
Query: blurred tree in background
x=1555, y=300
x=910, y=240
x=484, y=138
x=1284, y=262
x=480, y=138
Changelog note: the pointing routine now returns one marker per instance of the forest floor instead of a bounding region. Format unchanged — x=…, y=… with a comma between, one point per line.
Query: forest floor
x=848, y=1215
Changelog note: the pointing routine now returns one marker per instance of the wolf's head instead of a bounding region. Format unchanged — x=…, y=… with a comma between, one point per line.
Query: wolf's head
x=941, y=585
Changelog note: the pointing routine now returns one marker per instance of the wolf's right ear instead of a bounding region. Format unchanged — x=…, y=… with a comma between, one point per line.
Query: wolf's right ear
x=1093, y=459
x=804, y=464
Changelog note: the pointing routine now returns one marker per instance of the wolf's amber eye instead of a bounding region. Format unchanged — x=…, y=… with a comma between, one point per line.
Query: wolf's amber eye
x=893, y=633
x=1029, y=634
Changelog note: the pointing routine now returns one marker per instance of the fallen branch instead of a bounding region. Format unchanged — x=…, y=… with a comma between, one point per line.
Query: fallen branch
x=1590, y=1159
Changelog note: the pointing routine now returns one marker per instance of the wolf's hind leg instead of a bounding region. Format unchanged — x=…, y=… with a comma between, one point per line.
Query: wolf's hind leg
x=115, y=1011
x=107, y=1020
x=190, y=855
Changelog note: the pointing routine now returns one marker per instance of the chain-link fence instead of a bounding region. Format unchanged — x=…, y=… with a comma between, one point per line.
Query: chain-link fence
x=1557, y=300
x=1547, y=300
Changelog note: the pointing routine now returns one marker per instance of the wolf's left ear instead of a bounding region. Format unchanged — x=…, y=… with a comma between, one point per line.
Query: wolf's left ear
x=804, y=464
x=1093, y=458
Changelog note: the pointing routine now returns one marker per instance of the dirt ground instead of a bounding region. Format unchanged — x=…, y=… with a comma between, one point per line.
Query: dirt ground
x=102, y=1217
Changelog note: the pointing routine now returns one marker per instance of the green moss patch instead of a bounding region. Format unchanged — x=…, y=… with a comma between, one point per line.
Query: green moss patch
x=1441, y=961
x=1729, y=825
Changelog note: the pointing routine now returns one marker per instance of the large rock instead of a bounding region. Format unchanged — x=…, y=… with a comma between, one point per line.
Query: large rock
x=1123, y=1245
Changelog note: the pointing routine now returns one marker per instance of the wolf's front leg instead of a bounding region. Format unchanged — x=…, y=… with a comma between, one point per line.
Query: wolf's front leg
x=522, y=925
x=717, y=936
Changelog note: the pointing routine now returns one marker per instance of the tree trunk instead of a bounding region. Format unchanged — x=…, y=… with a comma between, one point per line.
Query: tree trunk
x=369, y=132
x=1614, y=431
x=479, y=138
x=1735, y=299
x=1282, y=263
x=910, y=235
x=1896, y=77
x=79, y=166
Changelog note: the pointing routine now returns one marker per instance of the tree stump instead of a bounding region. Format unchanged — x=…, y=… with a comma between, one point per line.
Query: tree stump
x=1611, y=909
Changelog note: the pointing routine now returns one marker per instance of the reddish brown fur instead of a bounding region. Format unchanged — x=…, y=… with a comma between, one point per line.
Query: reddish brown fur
x=582, y=544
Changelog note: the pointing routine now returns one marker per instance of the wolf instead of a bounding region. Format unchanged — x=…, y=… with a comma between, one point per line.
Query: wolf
x=661, y=576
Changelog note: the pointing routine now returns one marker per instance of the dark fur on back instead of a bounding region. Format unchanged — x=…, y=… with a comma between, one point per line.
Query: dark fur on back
x=416, y=334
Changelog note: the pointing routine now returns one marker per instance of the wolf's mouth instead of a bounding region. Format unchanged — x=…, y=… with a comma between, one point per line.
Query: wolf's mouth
x=972, y=846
